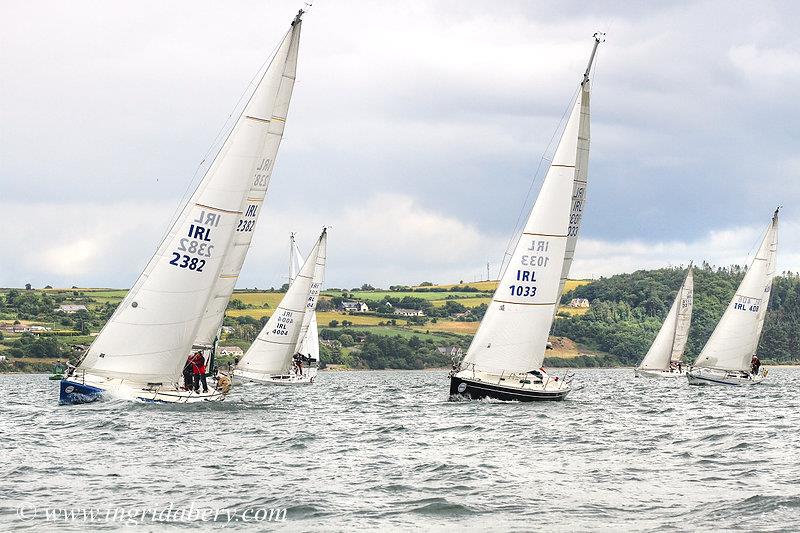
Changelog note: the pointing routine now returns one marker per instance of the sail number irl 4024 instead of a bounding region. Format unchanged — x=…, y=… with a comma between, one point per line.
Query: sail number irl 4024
x=196, y=246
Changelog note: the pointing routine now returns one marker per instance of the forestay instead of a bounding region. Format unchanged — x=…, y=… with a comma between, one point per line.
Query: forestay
x=735, y=339
x=513, y=334
x=670, y=342
x=272, y=351
x=252, y=149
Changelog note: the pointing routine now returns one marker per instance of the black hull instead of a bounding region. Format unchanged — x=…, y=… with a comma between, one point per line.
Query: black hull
x=476, y=390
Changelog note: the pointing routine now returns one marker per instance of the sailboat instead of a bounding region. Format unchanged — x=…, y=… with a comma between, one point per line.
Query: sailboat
x=308, y=346
x=505, y=358
x=663, y=359
x=726, y=357
x=177, y=303
x=270, y=359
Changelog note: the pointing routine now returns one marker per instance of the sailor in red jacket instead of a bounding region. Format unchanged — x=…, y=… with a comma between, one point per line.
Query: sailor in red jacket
x=199, y=371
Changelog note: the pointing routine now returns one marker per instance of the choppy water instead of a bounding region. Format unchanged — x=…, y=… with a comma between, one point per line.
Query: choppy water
x=368, y=450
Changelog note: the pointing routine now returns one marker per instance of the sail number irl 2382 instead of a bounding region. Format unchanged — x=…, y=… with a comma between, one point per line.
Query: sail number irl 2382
x=196, y=246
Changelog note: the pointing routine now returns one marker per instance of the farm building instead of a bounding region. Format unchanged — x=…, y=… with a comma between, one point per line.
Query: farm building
x=408, y=312
x=579, y=302
x=354, y=307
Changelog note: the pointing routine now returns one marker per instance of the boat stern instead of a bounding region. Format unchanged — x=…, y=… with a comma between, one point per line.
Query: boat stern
x=74, y=393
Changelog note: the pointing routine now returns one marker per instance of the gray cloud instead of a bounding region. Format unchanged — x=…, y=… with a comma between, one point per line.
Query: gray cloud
x=445, y=105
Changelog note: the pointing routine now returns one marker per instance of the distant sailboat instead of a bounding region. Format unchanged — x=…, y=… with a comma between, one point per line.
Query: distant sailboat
x=505, y=358
x=726, y=357
x=270, y=358
x=175, y=303
x=308, y=346
x=663, y=359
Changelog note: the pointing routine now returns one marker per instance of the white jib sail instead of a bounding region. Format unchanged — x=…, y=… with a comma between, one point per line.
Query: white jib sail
x=513, y=334
x=735, y=339
x=254, y=144
x=671, y=339
x=272, y=351
x=308, y=344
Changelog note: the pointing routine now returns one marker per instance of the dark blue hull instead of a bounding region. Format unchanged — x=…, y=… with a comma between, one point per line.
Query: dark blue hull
x=72, y=393
x=476, y=390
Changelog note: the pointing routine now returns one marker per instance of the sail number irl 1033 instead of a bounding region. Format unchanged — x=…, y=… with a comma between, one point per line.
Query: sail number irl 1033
x=196, y=246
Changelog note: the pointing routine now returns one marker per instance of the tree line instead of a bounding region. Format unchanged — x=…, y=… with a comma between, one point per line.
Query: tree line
x=627, y=310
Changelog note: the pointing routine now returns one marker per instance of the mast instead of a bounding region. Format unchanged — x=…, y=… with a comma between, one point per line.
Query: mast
x=599, y=37
x=292, y=269
x=579, y=189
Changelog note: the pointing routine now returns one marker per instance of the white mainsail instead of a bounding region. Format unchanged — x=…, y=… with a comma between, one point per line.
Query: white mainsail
x=153, y=329
x=513, y=334
x=272, y=351
x=670, y=342
x=253, y=147
x=735, y=339
x=308, y=344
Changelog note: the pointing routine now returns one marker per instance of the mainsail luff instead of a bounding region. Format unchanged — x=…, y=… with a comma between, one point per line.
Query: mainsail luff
x=513, y=333
x=735, y=339
x=671, y=338
x=272, y=351
x=266, y=114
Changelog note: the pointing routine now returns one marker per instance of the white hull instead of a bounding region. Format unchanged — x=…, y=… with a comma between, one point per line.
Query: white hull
x=713, y=376
x=138, y=392
x=291, y=379
x=657, y=374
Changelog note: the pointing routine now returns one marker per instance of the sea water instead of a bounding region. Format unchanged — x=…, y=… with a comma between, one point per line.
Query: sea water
x=387, y=450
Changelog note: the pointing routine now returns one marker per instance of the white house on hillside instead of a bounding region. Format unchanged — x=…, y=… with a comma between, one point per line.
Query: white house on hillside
x=579, y=302
x=70, y=308
x=354, y=307
x=409, y=312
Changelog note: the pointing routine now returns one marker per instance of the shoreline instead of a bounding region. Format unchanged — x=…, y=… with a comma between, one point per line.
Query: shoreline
x=440, y=369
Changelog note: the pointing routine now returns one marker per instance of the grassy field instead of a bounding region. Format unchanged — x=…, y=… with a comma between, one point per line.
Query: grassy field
x=487, y=286
x=405, y=332
x=264, y=303
x=573, y=311
x=376, y=296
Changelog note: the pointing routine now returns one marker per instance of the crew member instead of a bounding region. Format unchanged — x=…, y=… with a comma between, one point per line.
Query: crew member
x=199, y=371
x=188, y=380
x=755, y=364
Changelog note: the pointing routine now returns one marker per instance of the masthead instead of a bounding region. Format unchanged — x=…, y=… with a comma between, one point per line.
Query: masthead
x=599, y=37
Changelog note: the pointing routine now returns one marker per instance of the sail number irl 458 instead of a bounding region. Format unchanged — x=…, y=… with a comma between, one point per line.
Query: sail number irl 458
x=196, y=246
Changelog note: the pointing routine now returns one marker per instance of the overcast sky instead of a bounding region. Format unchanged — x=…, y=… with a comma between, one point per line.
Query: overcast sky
x=415, y=130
